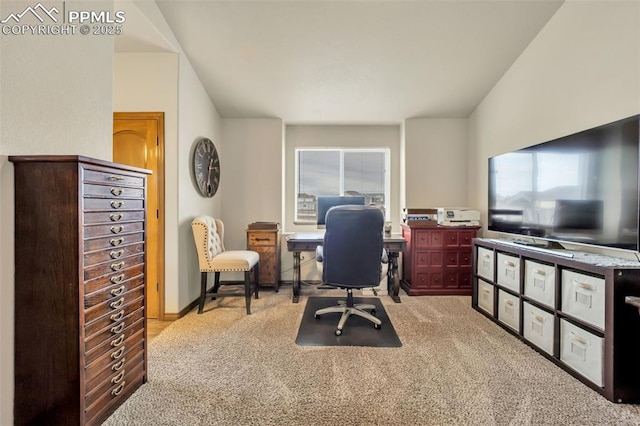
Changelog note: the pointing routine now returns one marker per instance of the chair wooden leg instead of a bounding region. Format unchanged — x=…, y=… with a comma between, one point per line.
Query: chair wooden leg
x=257, y=278
x=203, y=291
x=216, y=284
x=247, y=290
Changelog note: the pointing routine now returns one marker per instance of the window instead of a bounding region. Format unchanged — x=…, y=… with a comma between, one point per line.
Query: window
x=333, y=171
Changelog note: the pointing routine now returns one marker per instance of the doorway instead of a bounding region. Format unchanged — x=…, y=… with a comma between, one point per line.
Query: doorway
x=138, y=140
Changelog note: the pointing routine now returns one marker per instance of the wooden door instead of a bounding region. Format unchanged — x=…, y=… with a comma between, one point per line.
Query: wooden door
x=138, y=140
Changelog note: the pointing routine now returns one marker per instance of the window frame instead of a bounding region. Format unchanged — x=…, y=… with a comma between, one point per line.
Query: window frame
x=386, y=151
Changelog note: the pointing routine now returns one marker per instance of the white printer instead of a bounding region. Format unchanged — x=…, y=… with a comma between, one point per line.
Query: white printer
x=458, y=216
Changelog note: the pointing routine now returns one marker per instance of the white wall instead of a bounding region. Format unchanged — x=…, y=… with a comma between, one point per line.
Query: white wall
x=56, y=99
x=252, y=171
x=197, y=118
x=435, y=164
x=581, y=71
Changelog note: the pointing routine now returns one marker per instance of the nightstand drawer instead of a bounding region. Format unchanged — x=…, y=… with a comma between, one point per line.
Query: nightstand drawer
x=261, y=239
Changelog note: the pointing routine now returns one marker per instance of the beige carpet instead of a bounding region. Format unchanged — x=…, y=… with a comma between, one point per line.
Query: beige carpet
x=455, y=368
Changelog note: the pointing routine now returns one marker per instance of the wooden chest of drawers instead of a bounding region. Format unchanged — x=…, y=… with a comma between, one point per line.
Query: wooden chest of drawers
x=437, y=260
x=80, y=320
x=266, y=242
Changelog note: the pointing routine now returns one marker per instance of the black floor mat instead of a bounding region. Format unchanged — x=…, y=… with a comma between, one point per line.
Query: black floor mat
x=356, y=332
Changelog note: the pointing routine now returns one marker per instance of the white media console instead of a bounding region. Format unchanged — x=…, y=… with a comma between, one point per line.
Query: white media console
x=577, y=309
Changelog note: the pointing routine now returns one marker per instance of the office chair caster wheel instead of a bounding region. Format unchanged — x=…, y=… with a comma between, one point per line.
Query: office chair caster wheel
x=377, y=326
x=338, y=332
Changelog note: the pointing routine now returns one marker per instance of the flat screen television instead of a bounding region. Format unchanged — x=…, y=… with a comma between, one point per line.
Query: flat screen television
x=581, y=188
x=325, y=203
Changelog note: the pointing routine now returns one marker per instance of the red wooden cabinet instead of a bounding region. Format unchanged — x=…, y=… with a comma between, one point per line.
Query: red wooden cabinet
x=438, y=260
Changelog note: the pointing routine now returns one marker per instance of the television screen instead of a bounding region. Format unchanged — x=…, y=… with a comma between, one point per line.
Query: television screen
x=325, y=203
x=580, y=188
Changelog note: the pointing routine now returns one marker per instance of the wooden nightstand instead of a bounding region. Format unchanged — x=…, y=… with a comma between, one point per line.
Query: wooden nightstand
x=264, y=238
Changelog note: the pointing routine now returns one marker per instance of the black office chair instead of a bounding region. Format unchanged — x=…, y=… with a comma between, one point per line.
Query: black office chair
x=351, y=258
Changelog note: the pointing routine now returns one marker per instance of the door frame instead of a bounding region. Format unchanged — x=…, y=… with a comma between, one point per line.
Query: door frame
x=159, y=117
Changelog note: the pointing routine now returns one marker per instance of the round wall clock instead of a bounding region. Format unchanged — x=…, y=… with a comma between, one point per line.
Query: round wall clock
x=206, y=167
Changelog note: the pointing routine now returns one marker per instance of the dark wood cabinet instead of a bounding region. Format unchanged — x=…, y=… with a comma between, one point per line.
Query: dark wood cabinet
x=80, y=323
x=267, y=243
x=438, y=260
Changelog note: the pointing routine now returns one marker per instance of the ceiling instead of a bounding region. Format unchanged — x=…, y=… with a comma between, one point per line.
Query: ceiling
x=345, y=61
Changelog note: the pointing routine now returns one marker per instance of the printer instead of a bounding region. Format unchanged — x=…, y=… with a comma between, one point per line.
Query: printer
x=458, y=216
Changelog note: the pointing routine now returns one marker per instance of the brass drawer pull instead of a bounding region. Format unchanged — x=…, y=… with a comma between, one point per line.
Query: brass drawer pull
x=117, y=366
x=117, y=328
x=117, y=204
x=117, y=390
x=115, y=217
x=116, y=253
x=116, y=178
x=117, y=316
x=117, y=354
x=116, y=191
x=117, y=266
x=118, y=378
x=117, y=229
x=117, y=304
x=116, y=279
x=116, y=241
x=263, y=239
x=118, y=341
x=117, y=291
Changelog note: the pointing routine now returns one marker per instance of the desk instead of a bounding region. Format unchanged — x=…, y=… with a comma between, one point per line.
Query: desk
x=308, y=241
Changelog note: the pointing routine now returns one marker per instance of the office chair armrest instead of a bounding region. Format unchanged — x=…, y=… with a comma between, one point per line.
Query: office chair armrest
x=319, y=254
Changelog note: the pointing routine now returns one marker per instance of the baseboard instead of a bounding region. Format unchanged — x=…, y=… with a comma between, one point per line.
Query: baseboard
x=183, y=312
x=168, y=316
x=172, y=316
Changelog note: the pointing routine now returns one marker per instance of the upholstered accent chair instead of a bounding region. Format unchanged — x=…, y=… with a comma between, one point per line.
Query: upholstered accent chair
x=352, y=256
x=208, y=234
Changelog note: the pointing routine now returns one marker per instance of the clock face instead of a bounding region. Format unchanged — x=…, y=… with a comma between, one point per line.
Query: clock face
x=206, y=167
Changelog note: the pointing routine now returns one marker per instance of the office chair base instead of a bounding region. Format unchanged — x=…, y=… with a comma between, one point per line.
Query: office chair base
x=347, y=311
